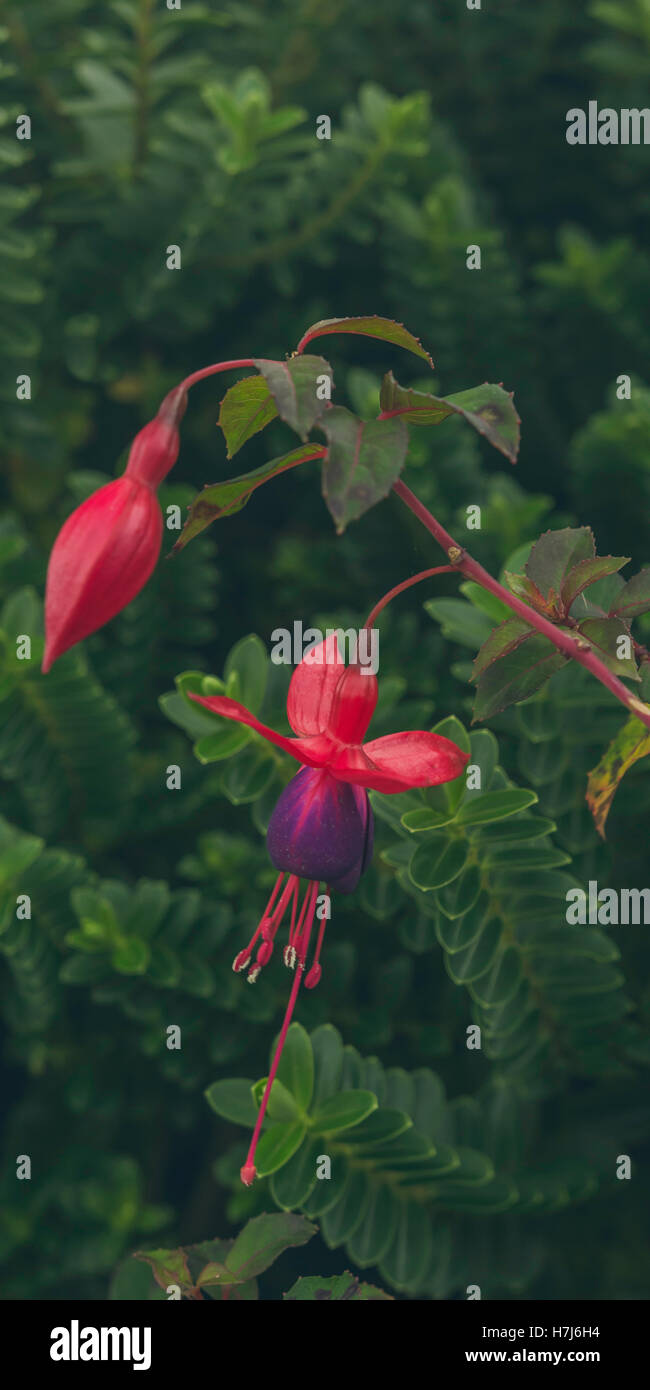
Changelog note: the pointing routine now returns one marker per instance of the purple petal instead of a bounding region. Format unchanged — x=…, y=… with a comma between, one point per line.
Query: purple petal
x=319, y=829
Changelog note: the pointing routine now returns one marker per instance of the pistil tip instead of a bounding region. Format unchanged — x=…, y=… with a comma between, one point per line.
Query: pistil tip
x=312, y=977
x=248, y=1174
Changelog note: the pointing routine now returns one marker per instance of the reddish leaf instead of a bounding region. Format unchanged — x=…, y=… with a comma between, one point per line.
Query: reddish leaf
x=295, y=388
x=502, y=640
x=224, y=499
x=370, y=327
x=604, y=635
x=517, y=675
x=587, y=572
x=488, y=408
x=555, y=553
x=364, y=459
x=634, y=597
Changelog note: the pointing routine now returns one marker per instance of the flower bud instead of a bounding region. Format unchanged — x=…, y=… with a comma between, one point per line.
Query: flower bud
x=102, y=557
x=155, y=448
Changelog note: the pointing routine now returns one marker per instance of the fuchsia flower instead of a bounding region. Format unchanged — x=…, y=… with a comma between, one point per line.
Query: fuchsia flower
x=322, y=826
x=108, y=547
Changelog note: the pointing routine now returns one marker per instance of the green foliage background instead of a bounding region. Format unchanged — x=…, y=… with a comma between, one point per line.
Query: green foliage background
x=197, y=127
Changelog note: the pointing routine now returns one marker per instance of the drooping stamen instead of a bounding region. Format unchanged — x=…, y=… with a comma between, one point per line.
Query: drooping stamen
x=304, y=927
x=263, y=929
x=314, y=973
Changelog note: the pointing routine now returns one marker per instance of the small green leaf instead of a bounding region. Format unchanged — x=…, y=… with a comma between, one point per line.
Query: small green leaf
x=277, y=1145
x=293, y=1183
x=437, y=862
x=131, y=957
x=246, y=408
x=364, y=459
x=296, y=1069
x=344, y=1110
x=281, y=1104
x=492, y=806
x=371, y=326
x=249, y=659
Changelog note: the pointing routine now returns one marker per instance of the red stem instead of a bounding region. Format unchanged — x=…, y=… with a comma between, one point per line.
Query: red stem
x=214, y=368
x=564, y=641
x=399, y=588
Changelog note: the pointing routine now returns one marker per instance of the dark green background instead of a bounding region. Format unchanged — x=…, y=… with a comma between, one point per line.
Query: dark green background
x=150, y=128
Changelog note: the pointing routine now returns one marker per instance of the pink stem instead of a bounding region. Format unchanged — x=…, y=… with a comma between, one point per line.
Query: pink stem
x=216, y=367
x=564, y=641
x=399, y=588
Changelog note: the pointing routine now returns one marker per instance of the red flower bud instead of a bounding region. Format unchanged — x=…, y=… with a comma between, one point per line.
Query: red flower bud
x=107, y=549
x=102, y=557
x=155, y=449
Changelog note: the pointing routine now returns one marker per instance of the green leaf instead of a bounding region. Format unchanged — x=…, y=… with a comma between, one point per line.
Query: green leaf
x=339, y=1222
x=246, y=408
x=131, y=957
x=634, y=597
x=277, y=1145
x=437, y=862
x=588, y=572
x=409, y=1255
x=516, y=676
x=337, y=1288
x=374, y=1237
x=495, y=806
x=631, y=743
x=225, y=498
x=469, y=964
x=364, y=459
x=248, y=658
x=555, y=554
x=281, y=1104
x=371, y=326
x=344, y=1110
x=292, y=1184
x=295, y=389
x=456, y=898
x=296, y=1069
x=604, y=635
x=265, y=1238
x=499, y=983
x=460, y=621
x=488, y=408
x=327, y=1047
